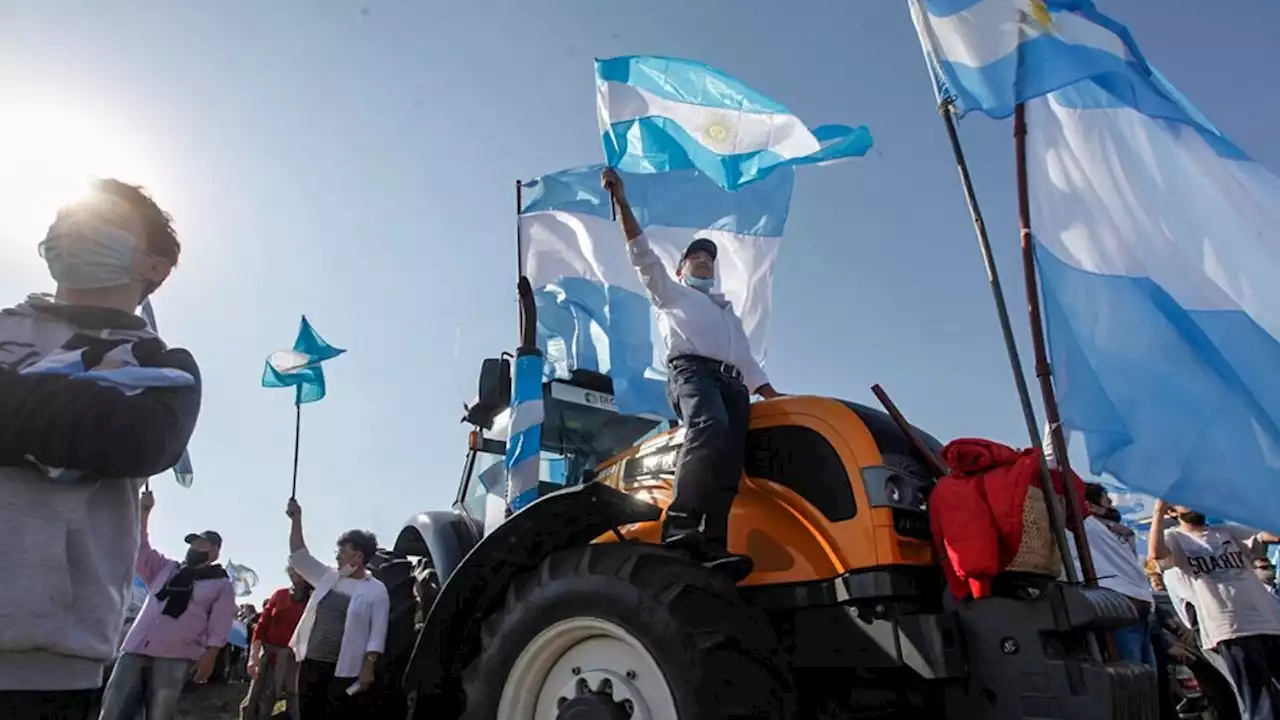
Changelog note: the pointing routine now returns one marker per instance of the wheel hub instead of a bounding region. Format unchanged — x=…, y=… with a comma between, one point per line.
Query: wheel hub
x=586, y=668
x=600, y=695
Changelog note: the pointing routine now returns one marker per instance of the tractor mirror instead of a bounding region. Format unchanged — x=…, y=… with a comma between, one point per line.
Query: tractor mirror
x=495, y=393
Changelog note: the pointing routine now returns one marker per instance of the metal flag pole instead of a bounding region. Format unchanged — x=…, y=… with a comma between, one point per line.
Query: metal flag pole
x=1044, y=372
x=946, y=109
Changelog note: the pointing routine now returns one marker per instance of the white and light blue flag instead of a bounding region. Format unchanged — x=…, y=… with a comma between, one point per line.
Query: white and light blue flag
x=661, y=114
x=593, y=313
x=301, y=367
x=991, y=55
x=1157, y=242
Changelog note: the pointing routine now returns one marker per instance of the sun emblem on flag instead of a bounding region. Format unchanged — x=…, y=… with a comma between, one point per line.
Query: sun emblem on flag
x=1039, y=11
x=717, y=132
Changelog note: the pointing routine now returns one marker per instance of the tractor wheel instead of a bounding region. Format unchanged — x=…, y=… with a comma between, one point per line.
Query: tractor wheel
x=626, y=631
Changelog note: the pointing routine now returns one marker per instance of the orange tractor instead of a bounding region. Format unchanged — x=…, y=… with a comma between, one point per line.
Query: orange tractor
x=569, y=610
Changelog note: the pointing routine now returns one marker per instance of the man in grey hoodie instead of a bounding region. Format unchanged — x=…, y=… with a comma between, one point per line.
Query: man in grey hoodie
x=77, y=443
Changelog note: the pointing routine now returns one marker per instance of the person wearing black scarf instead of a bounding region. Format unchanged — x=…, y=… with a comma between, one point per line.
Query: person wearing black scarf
x=176, y=593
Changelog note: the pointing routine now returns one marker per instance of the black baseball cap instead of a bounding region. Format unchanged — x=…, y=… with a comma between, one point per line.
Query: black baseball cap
x=701, y=243
x=209, y=536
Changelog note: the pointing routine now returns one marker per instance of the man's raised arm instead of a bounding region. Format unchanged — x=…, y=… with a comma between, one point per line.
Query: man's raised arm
x=653, y=274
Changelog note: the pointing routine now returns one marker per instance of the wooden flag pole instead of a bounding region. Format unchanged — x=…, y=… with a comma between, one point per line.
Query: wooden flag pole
x=1044, y=372
x=1011, y=346
x=297, y=439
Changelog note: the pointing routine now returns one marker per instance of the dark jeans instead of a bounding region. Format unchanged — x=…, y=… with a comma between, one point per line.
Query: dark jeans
x=45, y=705
x=140, y=682
x=1254, y=664
x=322, y=696
x=714, y=408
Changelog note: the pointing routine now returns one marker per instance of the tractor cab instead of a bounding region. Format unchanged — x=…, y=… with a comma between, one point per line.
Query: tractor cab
x=581, y=429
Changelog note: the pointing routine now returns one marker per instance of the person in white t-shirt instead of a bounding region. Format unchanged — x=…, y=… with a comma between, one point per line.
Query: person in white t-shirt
x=1238, y=617
x=1115, y=559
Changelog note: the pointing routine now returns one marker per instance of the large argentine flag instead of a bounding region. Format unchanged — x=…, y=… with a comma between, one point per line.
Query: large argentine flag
x=593, y=313
x=991, y=55
x=662, y=114
x=1157, y=244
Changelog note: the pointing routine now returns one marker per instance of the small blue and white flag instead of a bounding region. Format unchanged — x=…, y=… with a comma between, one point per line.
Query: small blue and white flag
x=300, y=367
x=243, y=578
x=593, y=314
x=991, y=55
x=664, y=114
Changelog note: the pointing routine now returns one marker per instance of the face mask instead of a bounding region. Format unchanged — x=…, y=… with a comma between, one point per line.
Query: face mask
x=86, y=255
x=1192, y=518
x=697, y=283
x=1111, y=514
x=346, y=570
x=197, y=557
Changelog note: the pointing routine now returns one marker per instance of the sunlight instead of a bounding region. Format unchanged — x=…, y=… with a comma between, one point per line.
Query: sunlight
x=49, y=153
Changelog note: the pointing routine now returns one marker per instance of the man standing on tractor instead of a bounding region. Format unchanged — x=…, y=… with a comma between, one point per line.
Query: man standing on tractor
x=711, y=375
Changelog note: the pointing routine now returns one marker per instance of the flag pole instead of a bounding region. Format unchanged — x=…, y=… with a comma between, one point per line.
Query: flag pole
x=946, y=109
x=1044, y=372
x=519, y=250
x=297, y=439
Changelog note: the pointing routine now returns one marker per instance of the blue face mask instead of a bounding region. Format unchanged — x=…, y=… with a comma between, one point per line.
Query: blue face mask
x=697, y=283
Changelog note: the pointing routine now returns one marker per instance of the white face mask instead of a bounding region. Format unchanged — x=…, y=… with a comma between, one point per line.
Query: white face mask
x=345, y=571
x=86, y=255
x=697, y=283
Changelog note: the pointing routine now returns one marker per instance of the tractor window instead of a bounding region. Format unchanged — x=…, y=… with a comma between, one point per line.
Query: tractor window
x=489, y=477
x=801, y=459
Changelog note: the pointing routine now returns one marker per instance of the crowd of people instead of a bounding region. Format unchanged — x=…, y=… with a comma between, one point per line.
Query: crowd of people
x=1221, y=591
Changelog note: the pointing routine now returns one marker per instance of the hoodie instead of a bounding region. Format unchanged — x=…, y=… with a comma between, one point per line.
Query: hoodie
x=73, y=536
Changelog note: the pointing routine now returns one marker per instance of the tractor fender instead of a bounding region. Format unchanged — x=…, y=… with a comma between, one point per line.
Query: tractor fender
x=449, y=639
x=443, y=536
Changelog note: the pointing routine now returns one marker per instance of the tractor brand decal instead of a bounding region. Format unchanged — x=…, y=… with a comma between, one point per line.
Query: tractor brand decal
x=582, y=396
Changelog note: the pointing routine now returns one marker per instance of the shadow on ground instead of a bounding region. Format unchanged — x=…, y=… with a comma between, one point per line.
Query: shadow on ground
x=220, y=701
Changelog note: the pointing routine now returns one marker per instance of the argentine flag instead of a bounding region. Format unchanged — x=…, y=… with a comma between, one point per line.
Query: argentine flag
x=664, y=114
x=991, y=55
x=301, y=367
x=593, y=313
x=1157, y=242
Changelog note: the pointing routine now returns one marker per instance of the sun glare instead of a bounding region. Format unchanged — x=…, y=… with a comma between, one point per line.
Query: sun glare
x=48, y=153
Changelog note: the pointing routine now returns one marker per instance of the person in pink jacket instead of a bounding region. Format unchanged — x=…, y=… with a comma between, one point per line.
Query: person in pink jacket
x=183, y=625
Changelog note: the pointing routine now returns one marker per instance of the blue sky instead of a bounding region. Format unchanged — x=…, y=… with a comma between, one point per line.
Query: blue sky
x=355, y=161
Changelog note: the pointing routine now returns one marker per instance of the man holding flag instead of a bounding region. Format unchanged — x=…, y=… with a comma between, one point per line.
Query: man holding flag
x=711, y=375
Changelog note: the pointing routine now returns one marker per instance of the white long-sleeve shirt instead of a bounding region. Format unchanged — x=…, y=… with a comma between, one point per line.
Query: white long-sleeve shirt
x=365, y=628
x=694, y=322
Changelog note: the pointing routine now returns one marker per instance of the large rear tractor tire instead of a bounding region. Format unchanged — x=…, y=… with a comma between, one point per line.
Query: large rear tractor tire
x=626, y=631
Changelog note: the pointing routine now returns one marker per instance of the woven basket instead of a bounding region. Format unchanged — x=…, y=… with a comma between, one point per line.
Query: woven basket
x=1038, y=553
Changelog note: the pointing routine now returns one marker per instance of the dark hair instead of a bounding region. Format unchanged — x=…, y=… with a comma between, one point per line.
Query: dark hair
x=1094, y=493
x=363, y=542
x=161, y=240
